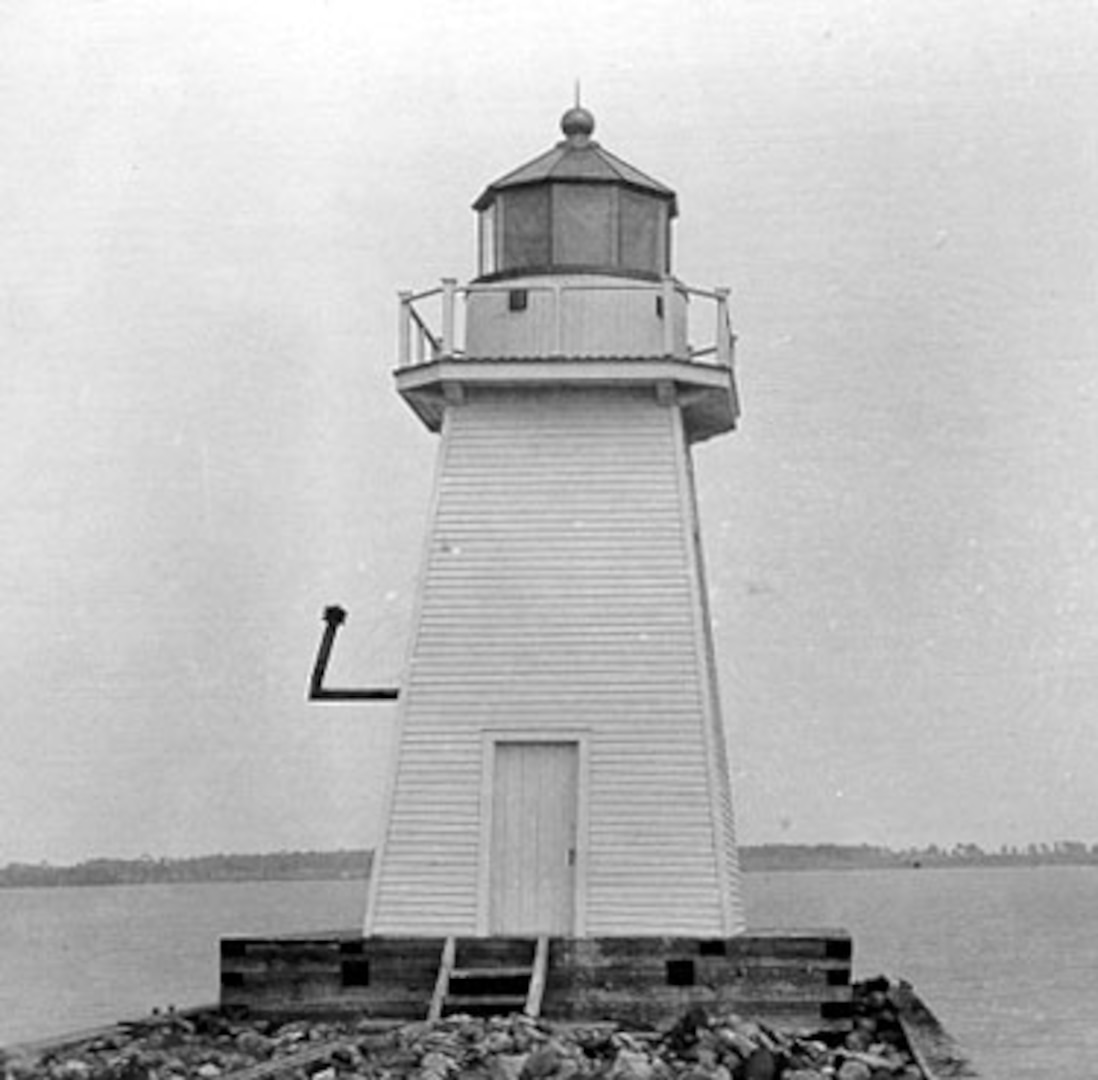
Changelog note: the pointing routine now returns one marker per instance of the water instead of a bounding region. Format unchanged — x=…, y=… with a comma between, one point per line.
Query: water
x=72, y=958
x=1008, y=958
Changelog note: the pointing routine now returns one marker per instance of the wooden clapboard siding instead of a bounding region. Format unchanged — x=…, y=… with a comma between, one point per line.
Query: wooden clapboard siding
x=724, y=828
x=561, y=592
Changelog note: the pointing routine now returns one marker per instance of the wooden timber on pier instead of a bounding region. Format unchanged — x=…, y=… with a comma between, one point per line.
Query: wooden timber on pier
x=935, y=1051
x=795, y=980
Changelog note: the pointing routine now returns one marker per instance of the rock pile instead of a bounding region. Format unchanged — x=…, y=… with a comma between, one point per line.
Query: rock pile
x=700, y=1046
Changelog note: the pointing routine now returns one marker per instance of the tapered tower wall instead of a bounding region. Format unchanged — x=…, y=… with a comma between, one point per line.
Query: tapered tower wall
x=562, y=598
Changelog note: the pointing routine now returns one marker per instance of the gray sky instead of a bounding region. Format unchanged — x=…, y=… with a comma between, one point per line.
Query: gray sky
x=207, y=211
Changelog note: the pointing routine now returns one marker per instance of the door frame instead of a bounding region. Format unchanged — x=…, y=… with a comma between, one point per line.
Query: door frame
x=490, y=739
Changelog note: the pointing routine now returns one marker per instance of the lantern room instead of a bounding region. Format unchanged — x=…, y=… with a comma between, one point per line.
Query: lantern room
x=575, y=209
x=574, y=269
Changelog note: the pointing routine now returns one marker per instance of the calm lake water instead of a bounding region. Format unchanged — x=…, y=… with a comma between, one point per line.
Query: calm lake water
x=1008, y=958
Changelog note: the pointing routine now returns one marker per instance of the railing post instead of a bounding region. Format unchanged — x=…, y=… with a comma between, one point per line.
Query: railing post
x=449, y=286
x=668, y=296
x=404, y=331
x=724, y=327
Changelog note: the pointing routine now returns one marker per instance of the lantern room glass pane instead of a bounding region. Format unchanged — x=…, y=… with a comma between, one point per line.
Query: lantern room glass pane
x=525, y=228
x=642, y=232
x=488, y=260
x=583, y=225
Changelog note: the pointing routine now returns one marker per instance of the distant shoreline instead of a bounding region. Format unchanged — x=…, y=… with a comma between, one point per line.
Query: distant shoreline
x=353, y=865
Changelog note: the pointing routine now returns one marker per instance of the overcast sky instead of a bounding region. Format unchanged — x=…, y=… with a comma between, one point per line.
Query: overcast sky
x=207, y=211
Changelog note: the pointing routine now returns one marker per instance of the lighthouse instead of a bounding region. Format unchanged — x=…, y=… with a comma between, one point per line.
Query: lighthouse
x=558, y=834
x=561, y=764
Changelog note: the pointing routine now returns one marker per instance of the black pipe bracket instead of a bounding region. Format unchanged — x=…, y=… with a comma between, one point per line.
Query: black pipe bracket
x=334, y=617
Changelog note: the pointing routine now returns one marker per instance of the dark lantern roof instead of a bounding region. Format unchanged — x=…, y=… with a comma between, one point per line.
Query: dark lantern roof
x=577, y=158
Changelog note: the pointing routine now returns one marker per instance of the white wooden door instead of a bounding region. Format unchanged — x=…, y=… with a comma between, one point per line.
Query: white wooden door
x=532, y=869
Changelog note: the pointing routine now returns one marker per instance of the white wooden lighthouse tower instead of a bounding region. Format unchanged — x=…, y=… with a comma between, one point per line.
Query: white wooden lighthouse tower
x=561, y=765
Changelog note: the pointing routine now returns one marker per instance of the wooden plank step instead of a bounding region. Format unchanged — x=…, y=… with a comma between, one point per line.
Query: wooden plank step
x=483, y=952
x=492, y=973
x=486, y=1001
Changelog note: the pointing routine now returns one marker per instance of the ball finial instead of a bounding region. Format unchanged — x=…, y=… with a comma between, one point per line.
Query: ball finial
x=577, y=123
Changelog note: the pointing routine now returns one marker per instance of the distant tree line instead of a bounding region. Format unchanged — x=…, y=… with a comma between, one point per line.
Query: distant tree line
x=355, y=864
x=867, y=856
x=273, y=866
x=818, y=857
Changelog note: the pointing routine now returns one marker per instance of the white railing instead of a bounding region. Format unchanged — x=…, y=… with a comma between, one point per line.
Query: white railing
x=429, y=327
x=418, y=343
